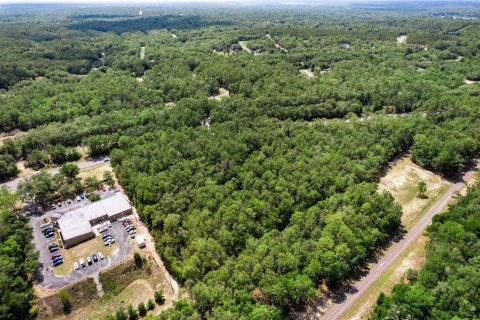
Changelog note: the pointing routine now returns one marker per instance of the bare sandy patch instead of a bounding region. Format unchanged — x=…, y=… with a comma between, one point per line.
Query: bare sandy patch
x=222, y=93
x=402, y=182
x=401, y=40
x=308, y=73
x=11, y=135
x=244, y=46
x=470, y=81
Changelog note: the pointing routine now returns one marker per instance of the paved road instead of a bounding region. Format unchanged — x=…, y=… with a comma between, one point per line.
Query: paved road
x=338, y=309
x=13, y=184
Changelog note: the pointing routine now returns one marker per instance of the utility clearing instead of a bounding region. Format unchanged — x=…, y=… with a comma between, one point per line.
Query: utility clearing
x=276, y=44
x=142, y=53
x=243, y=44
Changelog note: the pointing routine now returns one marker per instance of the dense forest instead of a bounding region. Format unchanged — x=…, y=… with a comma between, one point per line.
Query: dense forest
x=249, y=140
x=447, y=286
x=18, y=260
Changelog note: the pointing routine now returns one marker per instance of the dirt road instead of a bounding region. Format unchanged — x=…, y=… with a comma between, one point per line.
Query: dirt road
x=339, y=308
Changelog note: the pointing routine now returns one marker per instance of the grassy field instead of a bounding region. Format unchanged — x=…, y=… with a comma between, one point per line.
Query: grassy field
x=83, y=250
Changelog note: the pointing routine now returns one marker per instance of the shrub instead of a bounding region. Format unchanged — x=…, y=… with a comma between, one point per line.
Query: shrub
x=94, y=197
x=141, y=309
x=150, y=304
x=67, y=306
x=120, y=314
x=159, y=298
x=132, y=313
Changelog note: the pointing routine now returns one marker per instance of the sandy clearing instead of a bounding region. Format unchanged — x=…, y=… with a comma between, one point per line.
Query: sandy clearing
x=222, y=93
x=11, y=135
x=142, y=53
x=243, y=44
x=402, y=181
x=308, y=73
x=401, y=40
x=470, y=81
x=139, y=79
x=174, y=36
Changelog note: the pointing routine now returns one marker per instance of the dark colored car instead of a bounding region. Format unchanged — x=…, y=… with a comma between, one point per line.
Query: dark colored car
x=94, y=257
x=57, y=263
x=82, y=196
x=52, y=250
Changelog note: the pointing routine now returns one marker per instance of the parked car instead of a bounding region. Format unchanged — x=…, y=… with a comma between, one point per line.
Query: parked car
x=82, y=262
x=69, y=201
x=106, y=159
x=82, y=196
x=54, y=206
x=132, y=232
x=78, y=199
x=94, y=257
x=57, y=263
x=52, y=250
x=49, y=235
x=58, y=254
x=76, y=266
x=89, y=260
x=102, y=229
x=106, y=235
x=100, y=255
x=109, y=224
x=129, y=228
x=59, y=204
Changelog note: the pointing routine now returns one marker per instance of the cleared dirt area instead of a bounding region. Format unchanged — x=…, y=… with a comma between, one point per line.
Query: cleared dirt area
x=308, y=73
x=11, y=135
x=401, y=40
x=402, y=182
x=142, y=53
x=470, y=81
x=222, y=93
x=135, y=285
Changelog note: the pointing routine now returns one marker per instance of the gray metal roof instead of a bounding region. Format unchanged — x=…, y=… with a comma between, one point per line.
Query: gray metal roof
x=74, y=225
x=76, y=222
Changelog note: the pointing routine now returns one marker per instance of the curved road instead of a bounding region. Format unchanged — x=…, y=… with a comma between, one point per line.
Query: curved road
x=338, y=309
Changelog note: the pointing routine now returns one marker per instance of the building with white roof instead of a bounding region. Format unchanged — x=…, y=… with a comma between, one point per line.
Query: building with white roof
x=76, y=225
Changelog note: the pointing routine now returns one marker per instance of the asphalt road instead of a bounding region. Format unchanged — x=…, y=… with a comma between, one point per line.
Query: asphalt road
x=13, y=184
x=339, y=308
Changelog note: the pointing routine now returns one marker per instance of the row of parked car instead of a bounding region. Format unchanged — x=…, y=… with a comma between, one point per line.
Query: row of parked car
x=108, y=240
x=88, y=260
x=47, y=230
x=129, y=227
x=79, y=198
x=56, y=257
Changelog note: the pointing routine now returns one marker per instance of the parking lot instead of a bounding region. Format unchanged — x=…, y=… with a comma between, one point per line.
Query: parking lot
x=51, y=278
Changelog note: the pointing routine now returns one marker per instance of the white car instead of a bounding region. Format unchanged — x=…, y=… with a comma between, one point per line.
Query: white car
x=109, y=224
x=100, y=255
x=76, y=266
x=82, y=262
x=132, y=232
